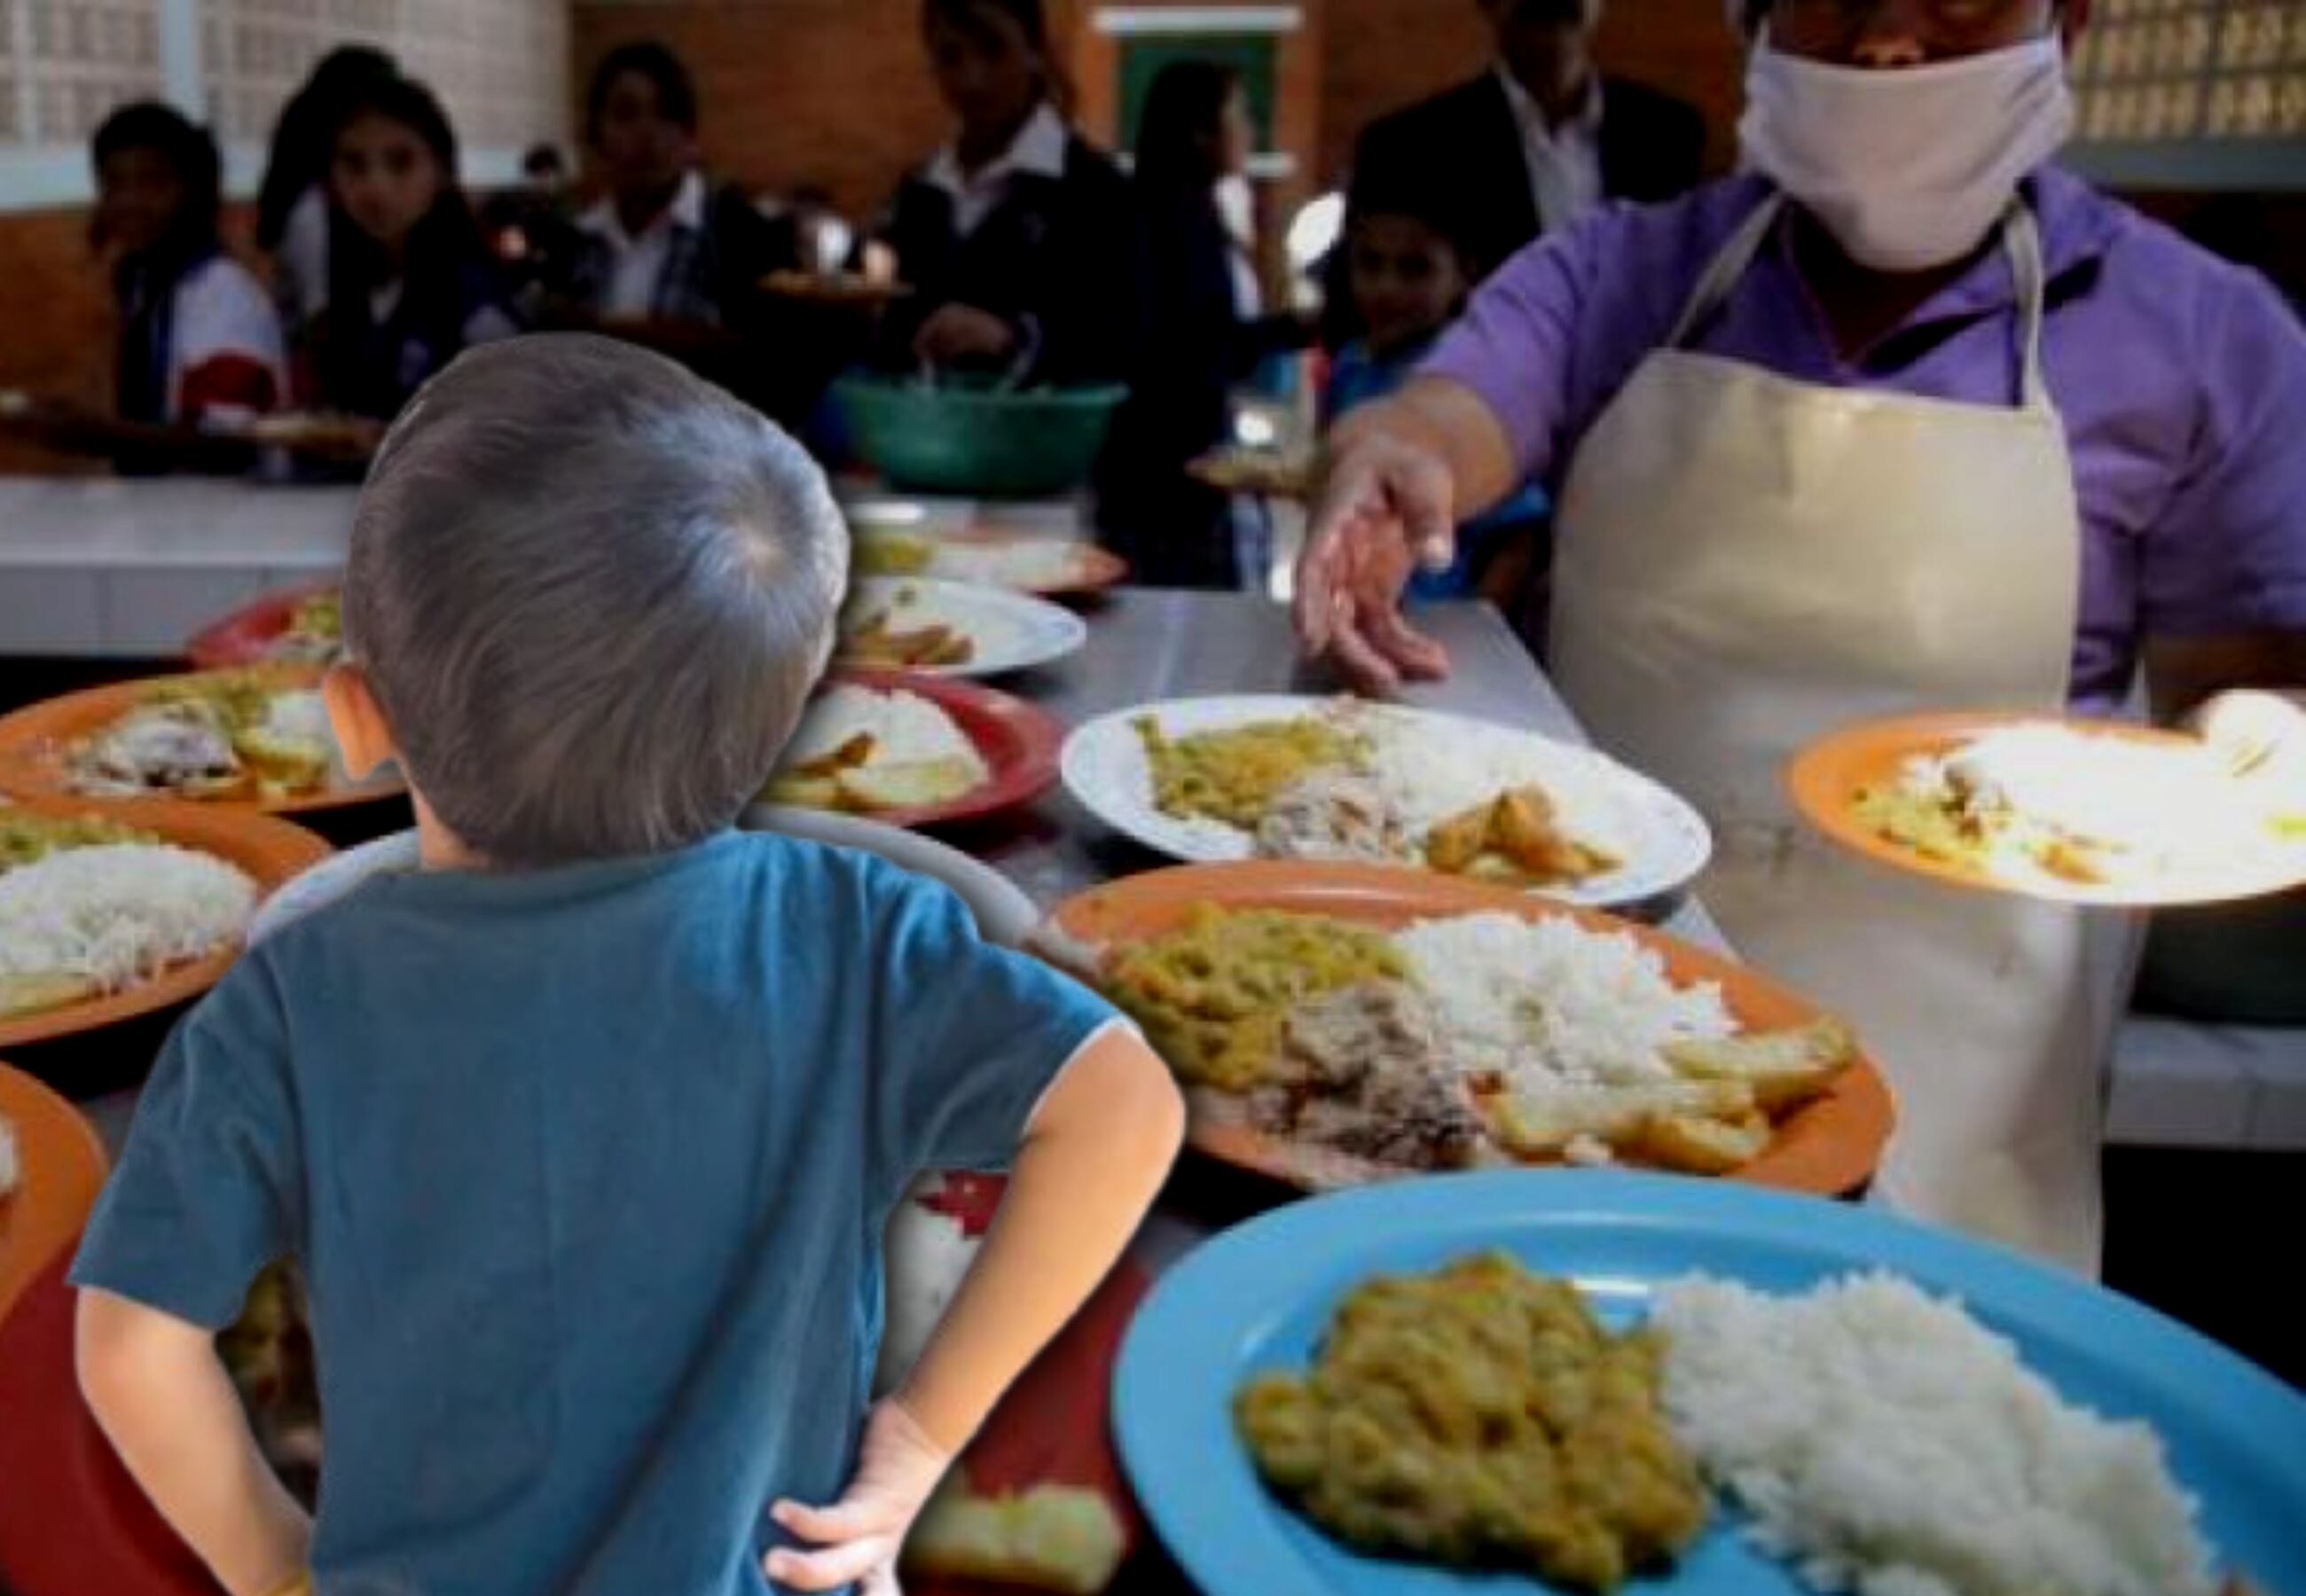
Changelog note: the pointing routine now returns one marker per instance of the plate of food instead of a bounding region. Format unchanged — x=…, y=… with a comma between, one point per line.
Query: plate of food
x=1267, y=473
x=51, y=1168
x=302, y=626
x=916, y=751
x=987, y=557
x=1037, y=1500
x=310, y=432
x=2072, y=810
x=1339, y=1025
x=1543, y=1382
x=107, y=913
x=932, y=628
x=1211, y=779
x=256, y=738
x=834, y=288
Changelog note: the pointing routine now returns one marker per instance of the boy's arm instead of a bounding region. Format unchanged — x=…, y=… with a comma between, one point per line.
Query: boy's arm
x=1095, y=1154
x=156, y=1387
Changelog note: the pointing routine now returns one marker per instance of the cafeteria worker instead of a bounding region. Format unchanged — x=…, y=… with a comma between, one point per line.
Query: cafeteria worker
x=1902, y=418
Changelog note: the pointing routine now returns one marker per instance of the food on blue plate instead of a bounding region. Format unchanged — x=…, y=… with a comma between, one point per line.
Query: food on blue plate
x=1060, y=1538
x=1481, y=1416
x=1461, y=1041
x=1881, y=1440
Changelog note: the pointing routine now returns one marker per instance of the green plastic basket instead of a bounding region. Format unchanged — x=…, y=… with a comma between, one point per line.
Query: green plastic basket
x=969, y=438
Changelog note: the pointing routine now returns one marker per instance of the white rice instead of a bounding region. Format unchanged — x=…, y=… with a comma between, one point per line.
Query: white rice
x=2162, y=807
x=906, y=729
x=10, y=1170
x=1547, y=1002
x=1431, y=772
x=1886, y=1442
x=119, y=912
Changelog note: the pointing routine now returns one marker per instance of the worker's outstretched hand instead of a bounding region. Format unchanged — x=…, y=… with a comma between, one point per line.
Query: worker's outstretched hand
x=1385, y=507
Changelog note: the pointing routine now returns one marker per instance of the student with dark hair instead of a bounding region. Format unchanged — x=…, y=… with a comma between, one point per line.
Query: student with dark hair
x=291, y=206
x=1015, y=237
x=410, y=282
x=1202, y=335
x=197, y=333
x=663, y=257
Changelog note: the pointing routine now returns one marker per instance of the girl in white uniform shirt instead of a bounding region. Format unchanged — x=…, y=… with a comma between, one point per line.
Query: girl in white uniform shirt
x=197, y=336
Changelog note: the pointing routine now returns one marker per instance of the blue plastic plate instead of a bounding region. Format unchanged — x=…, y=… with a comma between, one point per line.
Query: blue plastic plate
x=1255, y=1298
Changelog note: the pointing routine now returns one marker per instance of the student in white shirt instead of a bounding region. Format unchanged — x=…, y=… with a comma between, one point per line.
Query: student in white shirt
x=1017, y=237
x=198, y=337
x=666, y=259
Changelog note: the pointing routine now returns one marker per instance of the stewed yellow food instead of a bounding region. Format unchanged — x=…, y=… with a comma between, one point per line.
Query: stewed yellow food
x=1481, y=1416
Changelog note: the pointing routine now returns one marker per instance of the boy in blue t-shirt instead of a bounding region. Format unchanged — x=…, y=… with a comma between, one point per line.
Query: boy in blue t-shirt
x=1410, y=279
x=585, y=1135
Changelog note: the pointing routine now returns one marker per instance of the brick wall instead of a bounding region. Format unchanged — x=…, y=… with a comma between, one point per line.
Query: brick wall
x=835, y=91
x=55, y=309
x=832, y=92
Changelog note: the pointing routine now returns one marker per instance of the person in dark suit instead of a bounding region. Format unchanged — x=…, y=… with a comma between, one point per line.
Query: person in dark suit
x=1015, y=238
x=1202, y=332
x=1537, y=141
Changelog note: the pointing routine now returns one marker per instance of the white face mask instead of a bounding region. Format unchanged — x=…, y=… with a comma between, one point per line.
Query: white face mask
x=1907, y=167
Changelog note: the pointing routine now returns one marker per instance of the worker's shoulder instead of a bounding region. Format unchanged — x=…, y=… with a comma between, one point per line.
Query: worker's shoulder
x=2106, y=253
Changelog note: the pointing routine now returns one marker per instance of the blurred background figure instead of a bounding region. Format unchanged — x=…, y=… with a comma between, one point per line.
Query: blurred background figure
x=1408, y=275
x=662, y=246
x=667, y=259
x=291, y=206
x=1538, y=139
x=411, y=282
x=198, y=333
x=1016, y=236
x=1202, y=334
x=530, y=228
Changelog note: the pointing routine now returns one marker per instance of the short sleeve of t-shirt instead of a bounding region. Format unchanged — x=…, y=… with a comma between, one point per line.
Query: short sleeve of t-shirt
x=222, y=313
x=208, y=1190
x=2228, y=553
x=971, y=1035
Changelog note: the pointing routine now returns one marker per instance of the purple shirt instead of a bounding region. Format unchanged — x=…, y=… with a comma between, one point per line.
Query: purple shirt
x=2180, y=379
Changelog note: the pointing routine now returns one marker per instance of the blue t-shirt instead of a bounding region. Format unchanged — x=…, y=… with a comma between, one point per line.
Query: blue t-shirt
x=586, y=1169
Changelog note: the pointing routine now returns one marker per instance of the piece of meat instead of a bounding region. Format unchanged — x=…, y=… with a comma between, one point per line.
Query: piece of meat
x=1332, y=816
x=1363, y=1070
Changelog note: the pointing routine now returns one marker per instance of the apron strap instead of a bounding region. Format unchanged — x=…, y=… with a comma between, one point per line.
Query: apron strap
x=2021, y=240
x=1728, y=267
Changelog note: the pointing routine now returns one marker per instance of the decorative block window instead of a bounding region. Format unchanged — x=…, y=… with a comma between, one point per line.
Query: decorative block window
x=64, y=65
x=2194, y=93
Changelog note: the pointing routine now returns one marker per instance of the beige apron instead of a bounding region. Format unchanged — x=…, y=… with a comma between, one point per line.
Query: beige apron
x=1748, y=562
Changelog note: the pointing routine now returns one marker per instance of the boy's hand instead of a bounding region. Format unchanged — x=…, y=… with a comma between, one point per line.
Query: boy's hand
x=859, y=1537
